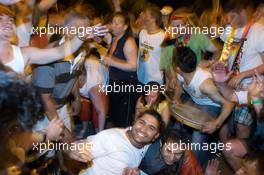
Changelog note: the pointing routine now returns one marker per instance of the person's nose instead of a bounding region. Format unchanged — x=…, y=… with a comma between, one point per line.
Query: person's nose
x=144, y=129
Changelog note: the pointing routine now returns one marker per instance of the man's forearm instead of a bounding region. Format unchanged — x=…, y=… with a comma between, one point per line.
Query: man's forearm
x=50, y=108
x=251, y=72
x=227, y=92
x=225, y=112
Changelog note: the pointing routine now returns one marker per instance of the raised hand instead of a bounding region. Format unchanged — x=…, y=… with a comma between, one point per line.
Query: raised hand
x=219, y=72
x=54, y=129
x=99, y=30
x=82, y=152
x=212, y=168
x=131, y=171
x=256, y=88
x=210, y=127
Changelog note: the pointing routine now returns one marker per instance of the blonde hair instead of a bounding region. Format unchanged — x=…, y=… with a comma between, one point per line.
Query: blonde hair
x=6, y=11
x=187, y=16
x=210, y=17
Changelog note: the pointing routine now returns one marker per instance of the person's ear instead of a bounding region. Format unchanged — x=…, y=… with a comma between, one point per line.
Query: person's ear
x=126, y=27
x=156, y=136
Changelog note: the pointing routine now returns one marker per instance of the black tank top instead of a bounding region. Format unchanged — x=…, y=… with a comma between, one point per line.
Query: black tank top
x=118, y=74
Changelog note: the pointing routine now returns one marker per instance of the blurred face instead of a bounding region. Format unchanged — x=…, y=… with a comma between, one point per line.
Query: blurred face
x=153, y=95
x=171, y=153
x=233, y=19
x=140, y=20
x=7, y=27
x=177, y=26
x=118, y=25
x=148, y=18
x=178, y=23
x=145, y=130
x=79, y=25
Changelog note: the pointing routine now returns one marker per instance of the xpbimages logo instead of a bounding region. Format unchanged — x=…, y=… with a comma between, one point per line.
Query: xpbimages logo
x=189, y=30
x=80, y=31
x=49, y=146
x=212, y=147
x=117, y=88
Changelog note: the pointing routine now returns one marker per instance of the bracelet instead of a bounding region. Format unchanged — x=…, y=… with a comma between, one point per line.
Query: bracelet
x=256, y=101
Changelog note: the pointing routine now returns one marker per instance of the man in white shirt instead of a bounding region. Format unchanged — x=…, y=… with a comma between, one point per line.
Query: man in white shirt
x=251, y=57
x=113, y=150
x=150, y=40
x=198, y=83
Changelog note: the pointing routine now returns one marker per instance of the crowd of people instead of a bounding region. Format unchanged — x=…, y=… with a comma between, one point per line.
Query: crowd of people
x=96, y=95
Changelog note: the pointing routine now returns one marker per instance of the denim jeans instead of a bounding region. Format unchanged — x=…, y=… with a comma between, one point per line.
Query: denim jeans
x=199, y=137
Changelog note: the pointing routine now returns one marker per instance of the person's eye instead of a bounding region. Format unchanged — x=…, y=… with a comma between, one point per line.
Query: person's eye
x=140, y=122
x=152, y=129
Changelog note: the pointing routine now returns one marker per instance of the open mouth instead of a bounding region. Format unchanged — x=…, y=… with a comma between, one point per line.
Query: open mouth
x=140, y=134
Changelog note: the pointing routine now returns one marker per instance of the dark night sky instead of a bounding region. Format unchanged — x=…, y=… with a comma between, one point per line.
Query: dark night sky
x=103, y=7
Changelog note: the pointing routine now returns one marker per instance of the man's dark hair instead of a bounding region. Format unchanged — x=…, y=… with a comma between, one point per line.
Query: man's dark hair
x=185, y=59
x=19, y=101
x=173, y=136
x=156, y=115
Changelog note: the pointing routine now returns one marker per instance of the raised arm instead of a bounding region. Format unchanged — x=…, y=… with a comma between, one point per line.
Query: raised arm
x=34, y=55
x=220, y=77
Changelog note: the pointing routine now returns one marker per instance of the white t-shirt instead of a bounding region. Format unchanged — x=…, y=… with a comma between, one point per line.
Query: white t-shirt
x=149, y=57
x=193, y=89
x=113, y=152
x=96, y=74
x=18, y=63
x=252, y=49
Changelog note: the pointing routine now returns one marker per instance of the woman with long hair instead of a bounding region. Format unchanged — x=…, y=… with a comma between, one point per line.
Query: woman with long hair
x=153, y=99
x=93, y=79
